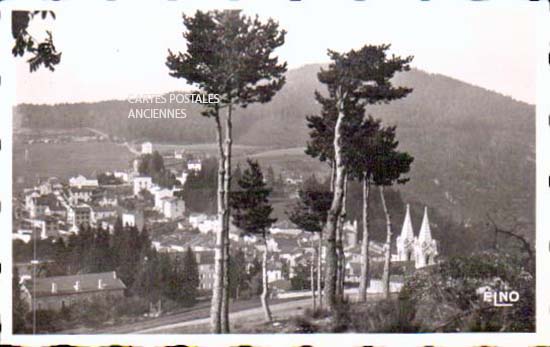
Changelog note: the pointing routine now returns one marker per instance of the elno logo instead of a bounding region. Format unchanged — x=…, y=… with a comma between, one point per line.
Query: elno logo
x=501, y=298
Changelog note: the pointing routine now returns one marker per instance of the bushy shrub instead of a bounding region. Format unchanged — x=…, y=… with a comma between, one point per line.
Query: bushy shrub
x=93, y=312
x=383, y=316
x=131, y=306
x=316, y=314
x=303, y=325
x=46, y=321
x=445, y=297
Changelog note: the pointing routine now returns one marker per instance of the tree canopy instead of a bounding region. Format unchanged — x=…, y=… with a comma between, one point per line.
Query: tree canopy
x=230, y=54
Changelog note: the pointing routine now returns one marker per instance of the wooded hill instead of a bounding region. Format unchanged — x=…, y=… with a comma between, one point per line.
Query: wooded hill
x=474, y=149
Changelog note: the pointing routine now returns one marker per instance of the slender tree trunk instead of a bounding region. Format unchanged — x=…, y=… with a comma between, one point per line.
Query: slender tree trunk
x=333, y=215
x=364, y=281
x=340, y=244
x=226, y=288
x=265, y=286
x=387, y=247
x=320, y=270
x=227, y=188
x=338, y=293
x=332, y=176
x=320, y=252
x=312, y=273
x=217, y=288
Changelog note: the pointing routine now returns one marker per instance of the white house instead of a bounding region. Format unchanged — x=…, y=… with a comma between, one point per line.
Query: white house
x=133, y=219
x=79, y=215
x=48, y=226
x=178, y=154
x=274, y=272
x=142, y=182
x=172, y=207
x=23, y=235
x=102, y=212
x=81, y=194
x=81, y=181
x=160, y=193
x=123, y=176
x=147, y=148
x=194, y=165
x=204, y=222
x=29, y=198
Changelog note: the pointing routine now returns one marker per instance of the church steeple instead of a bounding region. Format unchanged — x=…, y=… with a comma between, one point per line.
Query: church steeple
x=425, y=231
x=407, y=232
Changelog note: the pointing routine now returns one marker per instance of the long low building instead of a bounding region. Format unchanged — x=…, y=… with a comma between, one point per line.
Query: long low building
x=54, y=293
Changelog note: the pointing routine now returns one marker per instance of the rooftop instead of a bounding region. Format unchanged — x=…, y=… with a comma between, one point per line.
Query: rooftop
x=68, y=284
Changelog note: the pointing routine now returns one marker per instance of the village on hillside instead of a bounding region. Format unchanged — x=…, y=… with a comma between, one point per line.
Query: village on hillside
x=55, y=210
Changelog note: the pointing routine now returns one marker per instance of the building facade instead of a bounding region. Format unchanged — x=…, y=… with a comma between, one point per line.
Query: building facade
x=55, y=293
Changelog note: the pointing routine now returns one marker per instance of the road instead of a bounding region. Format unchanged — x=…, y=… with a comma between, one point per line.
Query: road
x=125, y=144
x=195, y=320
x=197, y=315
x=241, y=317
x=247, y=318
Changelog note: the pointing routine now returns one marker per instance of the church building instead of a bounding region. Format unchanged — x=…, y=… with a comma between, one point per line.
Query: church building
x=421, y=249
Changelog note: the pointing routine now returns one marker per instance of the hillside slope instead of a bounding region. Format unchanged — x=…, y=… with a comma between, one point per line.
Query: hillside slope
x=474, y=149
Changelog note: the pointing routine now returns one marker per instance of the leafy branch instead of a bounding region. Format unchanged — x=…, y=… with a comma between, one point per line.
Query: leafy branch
x=42, y=53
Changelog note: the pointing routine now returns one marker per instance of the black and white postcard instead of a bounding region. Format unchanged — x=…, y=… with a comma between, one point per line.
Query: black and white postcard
x=291, y=173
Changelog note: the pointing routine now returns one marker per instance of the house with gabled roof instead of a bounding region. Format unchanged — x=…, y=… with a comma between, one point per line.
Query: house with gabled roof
x=55, y=293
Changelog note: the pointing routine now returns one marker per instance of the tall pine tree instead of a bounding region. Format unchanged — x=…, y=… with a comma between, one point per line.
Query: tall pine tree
x=231, y=55
x=310, y=214
x=359, y=156
x=359, y=77
x=251, y=213
x=389, y=166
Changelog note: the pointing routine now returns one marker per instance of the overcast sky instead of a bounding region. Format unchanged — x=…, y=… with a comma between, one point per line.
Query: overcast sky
x=114, y=53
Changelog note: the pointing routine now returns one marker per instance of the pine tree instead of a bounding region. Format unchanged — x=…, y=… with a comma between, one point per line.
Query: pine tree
x=359, y=157
x=321, y=146
x=310, y=214
x=101, y=259
x=190, y=276
x=359, y=77
x=389, y=167
x=251, y=213
x=231, y=55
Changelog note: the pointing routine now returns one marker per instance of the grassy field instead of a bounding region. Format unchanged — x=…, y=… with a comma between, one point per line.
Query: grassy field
x=64, y=160
x=289, y=161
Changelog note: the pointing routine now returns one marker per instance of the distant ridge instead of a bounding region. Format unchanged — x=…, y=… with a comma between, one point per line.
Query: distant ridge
x=474, y=149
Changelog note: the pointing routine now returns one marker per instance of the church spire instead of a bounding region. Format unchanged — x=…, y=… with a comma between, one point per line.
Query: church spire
x=407, y=232
x=425, y=231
